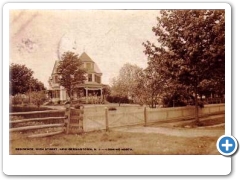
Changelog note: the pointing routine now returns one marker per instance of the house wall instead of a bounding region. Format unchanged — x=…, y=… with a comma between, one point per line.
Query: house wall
x=63, y=94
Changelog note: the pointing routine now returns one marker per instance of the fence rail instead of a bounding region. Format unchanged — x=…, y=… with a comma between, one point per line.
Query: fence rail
x=54, y=121
x=36, y=112
x=143, y=116
x=36, y=127
x=36, y=119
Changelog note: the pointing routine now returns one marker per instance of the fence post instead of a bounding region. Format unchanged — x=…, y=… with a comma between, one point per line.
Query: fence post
x=145, y=116
x=166, y=114
x=106, y=118
x=67, y=116
x=81, y=114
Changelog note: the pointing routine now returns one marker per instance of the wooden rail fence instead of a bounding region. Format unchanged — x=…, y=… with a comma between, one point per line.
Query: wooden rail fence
x=71, y=121
x=86, y=120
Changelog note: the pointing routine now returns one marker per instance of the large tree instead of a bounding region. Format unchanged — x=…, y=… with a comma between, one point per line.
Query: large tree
x=36, y=85
x=125, y=84
x=191, y=48
x=19, y=79
x=71, y=72
x=22, y=81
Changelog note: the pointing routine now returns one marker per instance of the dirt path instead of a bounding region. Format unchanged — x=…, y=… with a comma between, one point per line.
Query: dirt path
x=169, y=129
x=182, y=132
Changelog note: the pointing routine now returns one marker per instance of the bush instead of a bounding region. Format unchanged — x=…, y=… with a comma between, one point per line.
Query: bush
x=58, y=102
x=201, y=104
x=112, y=108
x=175, y=100
x=77, y=106
x=17, y=99
x=38, y=98
x=117, y=99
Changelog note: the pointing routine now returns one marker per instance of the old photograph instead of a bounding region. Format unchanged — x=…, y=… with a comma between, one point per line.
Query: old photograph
x=116, y=82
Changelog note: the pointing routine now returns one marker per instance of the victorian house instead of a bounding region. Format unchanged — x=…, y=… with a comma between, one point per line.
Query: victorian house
x=91, y=91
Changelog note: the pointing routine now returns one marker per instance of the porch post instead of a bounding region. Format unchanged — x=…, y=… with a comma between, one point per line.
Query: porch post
x=86, y=95
x=101, y=94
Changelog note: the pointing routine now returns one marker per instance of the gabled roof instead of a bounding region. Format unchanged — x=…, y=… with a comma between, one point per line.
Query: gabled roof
x=55, y=67
x=96, y=69
x=85, y=58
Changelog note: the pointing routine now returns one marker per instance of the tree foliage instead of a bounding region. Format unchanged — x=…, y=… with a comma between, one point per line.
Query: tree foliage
x=106, y=92
x=20, y=77
x=190, y=49
x=22, y=80
x=71, y=72
x=38, y=98
x=125, y=84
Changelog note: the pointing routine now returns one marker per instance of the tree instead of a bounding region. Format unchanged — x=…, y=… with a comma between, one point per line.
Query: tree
x=22, y=80
x=191, y=48
x=38, y=98
x=20, y=77
x=106, y=92
x=37, y=85
x=71, y=72
x=125, y=84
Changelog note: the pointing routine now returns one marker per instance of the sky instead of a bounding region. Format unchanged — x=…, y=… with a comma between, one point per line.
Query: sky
x=110, y=37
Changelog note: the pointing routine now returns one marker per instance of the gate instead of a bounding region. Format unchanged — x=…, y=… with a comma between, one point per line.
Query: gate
x=74, y=120
x=126, y=117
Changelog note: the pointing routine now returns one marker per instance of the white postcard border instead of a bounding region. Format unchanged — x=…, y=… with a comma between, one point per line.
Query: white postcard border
x=109, y=164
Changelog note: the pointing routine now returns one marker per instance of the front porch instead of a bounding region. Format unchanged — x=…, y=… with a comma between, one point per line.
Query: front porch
x=88, y=95
x=84, y=95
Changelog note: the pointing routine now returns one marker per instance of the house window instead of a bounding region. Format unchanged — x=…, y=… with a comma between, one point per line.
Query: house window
x=55, y=79
x=97, y=79
x=89, y=77
x=89, y=66
x=56, y=94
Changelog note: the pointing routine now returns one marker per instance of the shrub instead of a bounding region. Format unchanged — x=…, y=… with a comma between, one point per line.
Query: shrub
x=58, y=102
x=38, y=98
x=17, y=99
x=117, y=99
x=112, y=108
x=77, y=106
x=201, y=104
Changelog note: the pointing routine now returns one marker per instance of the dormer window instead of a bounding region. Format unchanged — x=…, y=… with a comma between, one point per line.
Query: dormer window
x=89, y=66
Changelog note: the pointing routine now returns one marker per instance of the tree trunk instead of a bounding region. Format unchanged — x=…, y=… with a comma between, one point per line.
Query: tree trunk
x=196, y=105
x=152, y=99
x=70, y=97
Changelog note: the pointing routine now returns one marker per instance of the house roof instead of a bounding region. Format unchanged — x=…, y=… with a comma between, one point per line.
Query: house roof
x=85, y=58
x=96, y=69
x=55, y=67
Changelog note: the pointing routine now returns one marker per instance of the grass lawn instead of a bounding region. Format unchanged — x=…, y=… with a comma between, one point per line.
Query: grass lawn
x=112, y=142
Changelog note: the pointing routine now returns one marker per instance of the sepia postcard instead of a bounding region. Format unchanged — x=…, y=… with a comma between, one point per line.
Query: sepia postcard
x=133, y=79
